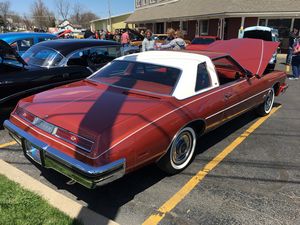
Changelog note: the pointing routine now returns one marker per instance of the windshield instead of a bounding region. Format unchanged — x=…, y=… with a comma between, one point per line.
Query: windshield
x=139, y=76
x=203, y=41
x=41, y=56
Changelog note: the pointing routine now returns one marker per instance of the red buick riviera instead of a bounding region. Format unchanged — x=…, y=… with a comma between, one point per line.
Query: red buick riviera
x=144, y=108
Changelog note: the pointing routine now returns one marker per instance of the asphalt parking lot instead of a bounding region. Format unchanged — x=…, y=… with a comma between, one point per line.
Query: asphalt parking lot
x=257, y=183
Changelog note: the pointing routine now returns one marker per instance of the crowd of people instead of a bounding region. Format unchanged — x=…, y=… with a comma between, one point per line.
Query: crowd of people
x=173, y=41
x=293, y=56
x=104, y=35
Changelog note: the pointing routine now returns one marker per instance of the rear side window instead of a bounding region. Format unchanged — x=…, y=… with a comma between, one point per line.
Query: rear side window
x=203, y=78
x=44, y=39
x=95, y=56
x=25, y=44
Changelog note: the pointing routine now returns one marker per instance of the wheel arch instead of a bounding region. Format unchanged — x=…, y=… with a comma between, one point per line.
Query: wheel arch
x=199, y=126
x=276, y=87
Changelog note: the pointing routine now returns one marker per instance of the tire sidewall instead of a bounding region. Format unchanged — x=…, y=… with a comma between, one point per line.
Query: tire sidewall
x=271, y=92
x=191, y=153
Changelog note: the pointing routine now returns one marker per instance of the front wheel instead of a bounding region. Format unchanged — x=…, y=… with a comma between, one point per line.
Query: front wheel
x=266, y=107
x=180, y=153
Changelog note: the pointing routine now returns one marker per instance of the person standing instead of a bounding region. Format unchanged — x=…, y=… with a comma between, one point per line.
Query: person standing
x=148, y=43
x=292, y=37
x=176, y=44
x=117, y=36
x=296, y=60
x=170, y=37
x=125, y=39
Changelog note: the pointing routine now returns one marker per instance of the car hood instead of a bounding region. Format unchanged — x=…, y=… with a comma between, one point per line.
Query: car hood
x=94, y=110
x=197, y=47
x=7, y=52
x=252, y=54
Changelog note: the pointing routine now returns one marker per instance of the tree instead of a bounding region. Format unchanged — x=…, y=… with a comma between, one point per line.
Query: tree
x=63, y=8
x=28, y=23
x=86, y=17
x=76, y=16
x=4, y=10
x=42, y=16
x=81, y=16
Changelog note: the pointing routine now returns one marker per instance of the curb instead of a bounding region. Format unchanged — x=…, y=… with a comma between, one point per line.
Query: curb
x=57, y=200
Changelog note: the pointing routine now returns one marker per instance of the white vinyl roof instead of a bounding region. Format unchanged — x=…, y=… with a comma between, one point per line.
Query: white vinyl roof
x=185, y=61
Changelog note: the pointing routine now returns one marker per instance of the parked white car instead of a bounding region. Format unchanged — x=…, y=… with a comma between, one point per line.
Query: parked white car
x=266, y=34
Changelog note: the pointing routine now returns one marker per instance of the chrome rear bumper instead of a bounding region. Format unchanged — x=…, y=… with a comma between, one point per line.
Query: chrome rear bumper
x=49, y=157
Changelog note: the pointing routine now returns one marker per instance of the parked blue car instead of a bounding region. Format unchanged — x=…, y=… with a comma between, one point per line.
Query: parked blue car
x=21, y=41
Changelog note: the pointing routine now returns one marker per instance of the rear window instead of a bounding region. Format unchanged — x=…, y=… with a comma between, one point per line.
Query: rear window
x=139, y=76
x=258, y=34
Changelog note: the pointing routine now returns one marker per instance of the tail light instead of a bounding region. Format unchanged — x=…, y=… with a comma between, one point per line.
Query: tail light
x=25, y=115
x=74, y=139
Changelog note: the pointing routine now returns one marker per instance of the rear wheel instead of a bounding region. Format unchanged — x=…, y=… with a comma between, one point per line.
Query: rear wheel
x=180, y=153
x=266, y=107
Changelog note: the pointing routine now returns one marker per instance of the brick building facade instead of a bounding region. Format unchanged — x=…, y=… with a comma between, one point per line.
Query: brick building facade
x=216, y=17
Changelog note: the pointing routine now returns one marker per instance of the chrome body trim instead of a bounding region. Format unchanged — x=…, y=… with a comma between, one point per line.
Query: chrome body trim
x=87, y=175
x=236, y=104
x=54, y=132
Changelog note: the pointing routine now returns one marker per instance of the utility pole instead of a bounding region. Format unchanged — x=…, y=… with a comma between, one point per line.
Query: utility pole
x=109, y=15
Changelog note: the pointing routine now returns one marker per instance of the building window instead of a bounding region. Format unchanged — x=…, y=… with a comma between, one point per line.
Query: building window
x=297, y=23
x=145, y=2
x=184, y=27
x=262, y=22
x=159, y=28
x=138, y=3
x=283, y=26
x=153, y=1
x=203, y=27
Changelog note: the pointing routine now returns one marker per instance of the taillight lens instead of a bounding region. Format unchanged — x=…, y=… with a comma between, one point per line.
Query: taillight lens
x=75, y=139
x=25, y=115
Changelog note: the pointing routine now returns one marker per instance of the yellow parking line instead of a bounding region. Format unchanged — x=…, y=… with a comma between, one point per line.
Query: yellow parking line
x=8, y=144
x=195, y=180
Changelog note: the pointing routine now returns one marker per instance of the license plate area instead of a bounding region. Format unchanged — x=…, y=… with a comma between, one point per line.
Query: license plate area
x=43, y=125
x=32, y=152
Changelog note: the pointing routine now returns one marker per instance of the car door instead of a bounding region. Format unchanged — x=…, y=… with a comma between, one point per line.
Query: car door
x=212, y=101
x=232, y=79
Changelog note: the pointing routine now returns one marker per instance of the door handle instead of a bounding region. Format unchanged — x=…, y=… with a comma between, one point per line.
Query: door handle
x=228, y=95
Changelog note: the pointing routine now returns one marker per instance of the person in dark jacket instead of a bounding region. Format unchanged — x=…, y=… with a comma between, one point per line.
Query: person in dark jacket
x=292, y=37
x=89, y=34
x=296, y=60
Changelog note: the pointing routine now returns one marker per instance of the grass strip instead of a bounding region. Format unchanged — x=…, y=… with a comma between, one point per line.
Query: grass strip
x=21, y=207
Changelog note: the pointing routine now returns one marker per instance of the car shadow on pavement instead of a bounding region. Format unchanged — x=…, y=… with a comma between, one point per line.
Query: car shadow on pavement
x=108, y=199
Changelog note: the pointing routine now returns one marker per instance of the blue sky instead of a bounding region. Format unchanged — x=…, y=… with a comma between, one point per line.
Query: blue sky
x=99, y=7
